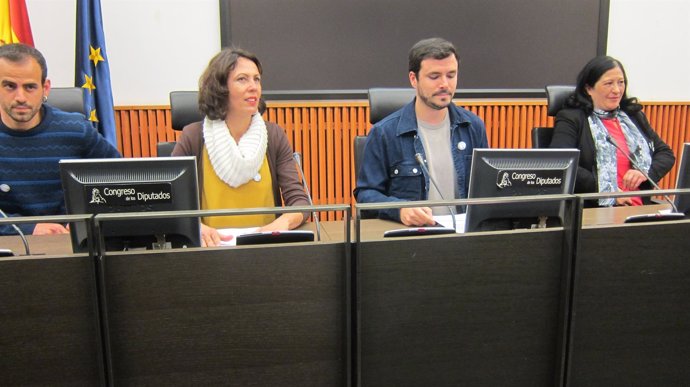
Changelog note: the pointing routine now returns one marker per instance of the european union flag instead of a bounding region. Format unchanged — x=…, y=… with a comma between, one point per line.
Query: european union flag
x=92, y=70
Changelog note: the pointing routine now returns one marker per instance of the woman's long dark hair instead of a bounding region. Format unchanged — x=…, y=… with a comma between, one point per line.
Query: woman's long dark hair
x=589, y=75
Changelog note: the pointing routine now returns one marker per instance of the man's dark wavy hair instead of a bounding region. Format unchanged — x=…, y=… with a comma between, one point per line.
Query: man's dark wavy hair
x=18, y=52
x=436, y=48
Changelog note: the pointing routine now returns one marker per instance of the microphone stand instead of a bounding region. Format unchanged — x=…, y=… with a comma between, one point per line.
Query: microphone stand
x=637, y=167
x=675, y=215
x=422, y=163
x=298, y=159
x=19, y=231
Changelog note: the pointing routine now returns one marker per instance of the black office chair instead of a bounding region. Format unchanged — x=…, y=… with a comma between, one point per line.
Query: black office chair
x=165, y=148
x=69, y=99
x=184, y=109
x=555, y=99
x=358, y=152
x=382, y=102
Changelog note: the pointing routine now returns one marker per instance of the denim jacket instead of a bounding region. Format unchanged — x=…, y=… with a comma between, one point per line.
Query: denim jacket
x=389, y=171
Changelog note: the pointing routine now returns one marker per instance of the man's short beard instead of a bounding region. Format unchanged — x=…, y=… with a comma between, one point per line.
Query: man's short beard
x=427, y=102
x=22, y=118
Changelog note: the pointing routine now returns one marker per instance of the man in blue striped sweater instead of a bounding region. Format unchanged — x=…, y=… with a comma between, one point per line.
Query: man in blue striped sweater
x=34, y=137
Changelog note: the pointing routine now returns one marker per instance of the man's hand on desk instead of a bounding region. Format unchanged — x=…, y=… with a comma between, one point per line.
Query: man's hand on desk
x=417, y=216
x=49, y=229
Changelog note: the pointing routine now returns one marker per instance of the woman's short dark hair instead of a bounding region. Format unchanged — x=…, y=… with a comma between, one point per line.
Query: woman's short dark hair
x=436, y=48
x=18, y=52
x=589, y=75
x=213, y=84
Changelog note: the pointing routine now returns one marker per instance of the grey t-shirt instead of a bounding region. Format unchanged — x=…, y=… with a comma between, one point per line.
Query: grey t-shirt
x=439, y=161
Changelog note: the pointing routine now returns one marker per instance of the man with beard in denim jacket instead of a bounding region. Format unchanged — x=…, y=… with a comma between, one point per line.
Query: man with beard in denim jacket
x=432, y=125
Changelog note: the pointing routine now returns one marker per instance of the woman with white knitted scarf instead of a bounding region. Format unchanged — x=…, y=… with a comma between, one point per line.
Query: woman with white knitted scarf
x=243, y=161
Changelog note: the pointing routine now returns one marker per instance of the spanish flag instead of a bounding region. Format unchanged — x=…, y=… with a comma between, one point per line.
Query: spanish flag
x=14, y=23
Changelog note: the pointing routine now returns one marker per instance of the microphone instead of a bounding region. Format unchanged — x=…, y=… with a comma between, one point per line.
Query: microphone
x=637, y=167
x=420, y=161
x=298, y=159
x=19, y=231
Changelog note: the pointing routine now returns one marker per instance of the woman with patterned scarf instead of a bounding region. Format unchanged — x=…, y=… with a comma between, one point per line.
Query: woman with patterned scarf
x=601, y=121
x=242, y=161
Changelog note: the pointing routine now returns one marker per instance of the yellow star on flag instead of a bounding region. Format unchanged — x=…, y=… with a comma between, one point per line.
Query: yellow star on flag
x=92, y=116
x=95, y=55
x=88, y=83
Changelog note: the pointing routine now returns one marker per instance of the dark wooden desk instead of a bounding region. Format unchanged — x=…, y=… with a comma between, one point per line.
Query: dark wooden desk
x=331, y=231
x=616, y=215
x=474, y=309
x=264, y=315
x=483, y=309
x=48, y=245
x=631, y=306
x=39, y=245
x=373, y=229
x=257, y=315
x=49, y=321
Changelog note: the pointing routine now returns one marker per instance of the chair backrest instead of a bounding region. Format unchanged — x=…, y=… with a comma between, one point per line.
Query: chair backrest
x=164, y=149
x=384, y=101
x=69, y=99
x=541, y=136
x=556, y=96
x=555, y=99
x=359, y=152
x=184, y=108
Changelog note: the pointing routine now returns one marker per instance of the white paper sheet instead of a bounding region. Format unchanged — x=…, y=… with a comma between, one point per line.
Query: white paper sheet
x=447, y=221
x=235, y=232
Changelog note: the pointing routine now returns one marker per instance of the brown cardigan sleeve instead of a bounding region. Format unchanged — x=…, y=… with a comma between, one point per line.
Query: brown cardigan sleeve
x=286, y=182
x=191, y=143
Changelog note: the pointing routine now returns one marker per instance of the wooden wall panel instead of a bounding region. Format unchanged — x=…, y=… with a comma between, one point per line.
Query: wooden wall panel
x=672, y=123
x=140, y=128
x=324, y=131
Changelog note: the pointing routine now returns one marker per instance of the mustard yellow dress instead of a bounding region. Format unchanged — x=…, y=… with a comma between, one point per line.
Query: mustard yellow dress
x=216, y=194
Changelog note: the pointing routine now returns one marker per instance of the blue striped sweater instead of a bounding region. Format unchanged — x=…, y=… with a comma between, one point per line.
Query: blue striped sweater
x=29, y=175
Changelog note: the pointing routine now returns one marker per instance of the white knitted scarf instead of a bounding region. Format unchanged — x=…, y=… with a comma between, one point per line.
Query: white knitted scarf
x=234, y=163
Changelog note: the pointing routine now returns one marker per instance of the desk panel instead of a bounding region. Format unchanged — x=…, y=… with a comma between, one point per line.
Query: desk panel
x=477, y=310
x=260, y=316
x=49, y=322
x=631, y=306
x=42, y=245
